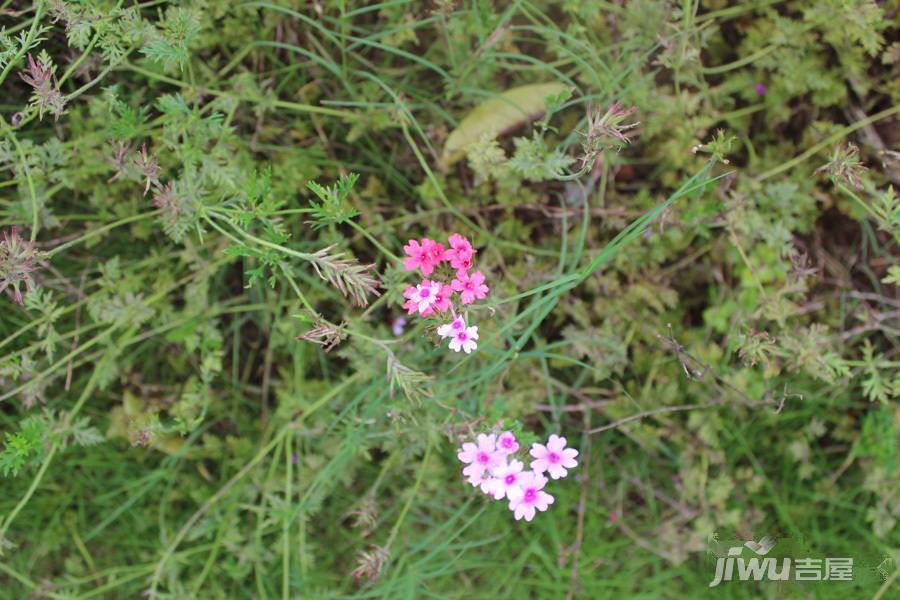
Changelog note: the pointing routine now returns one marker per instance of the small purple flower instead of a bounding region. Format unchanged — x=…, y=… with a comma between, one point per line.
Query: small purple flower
x=760, y=89
x=398, y=326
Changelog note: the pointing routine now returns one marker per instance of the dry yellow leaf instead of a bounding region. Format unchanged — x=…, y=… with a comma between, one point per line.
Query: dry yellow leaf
x=501, y=113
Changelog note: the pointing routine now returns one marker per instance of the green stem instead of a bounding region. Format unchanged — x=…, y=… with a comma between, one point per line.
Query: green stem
x=880, y=219
x=189, y=524
x=735, y=11
x=261, y=242
x=297, y=291
x=286, y=521
x=98, y=78
x=80, y=59
x=396, y=528
x=739, y=63
x=291, y=106
x=383, y=344
x=741, y=112
x=18, y=576
x=828, y=141
x=375, y=242
x=34, y=203
x=88, y=390
x=101, y=230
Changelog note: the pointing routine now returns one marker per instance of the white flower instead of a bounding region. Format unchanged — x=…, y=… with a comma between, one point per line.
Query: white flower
x=465, y=340
x=451, y=329
x=426, y=295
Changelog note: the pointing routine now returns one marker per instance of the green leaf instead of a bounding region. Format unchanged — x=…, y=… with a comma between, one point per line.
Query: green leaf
x=893, y=275
x=23, y=448
x=535, y=162
x=334, y=208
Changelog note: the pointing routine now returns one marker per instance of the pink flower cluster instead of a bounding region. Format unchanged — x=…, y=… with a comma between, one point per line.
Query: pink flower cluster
x=431, y=297
x=492, y=468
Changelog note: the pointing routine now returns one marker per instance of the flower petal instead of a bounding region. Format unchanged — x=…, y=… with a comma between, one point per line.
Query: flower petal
x=556, y=443
x=538, y=450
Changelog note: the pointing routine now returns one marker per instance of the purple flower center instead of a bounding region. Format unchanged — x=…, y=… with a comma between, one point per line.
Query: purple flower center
x=461, y=336
x=530, y=495
x=510, y=479
x=483, y=457
x=506, y=442
x=425, y=292
x=458, y=324
x=554, y=458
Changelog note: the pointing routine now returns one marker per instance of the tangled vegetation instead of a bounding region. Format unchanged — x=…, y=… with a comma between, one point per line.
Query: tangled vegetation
x=685, y=241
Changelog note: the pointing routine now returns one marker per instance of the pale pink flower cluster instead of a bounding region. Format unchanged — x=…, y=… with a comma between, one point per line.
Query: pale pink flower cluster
x=433, y=297
x=491, y=467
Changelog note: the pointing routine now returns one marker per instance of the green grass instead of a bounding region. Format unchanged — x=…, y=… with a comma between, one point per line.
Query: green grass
x=707, y=313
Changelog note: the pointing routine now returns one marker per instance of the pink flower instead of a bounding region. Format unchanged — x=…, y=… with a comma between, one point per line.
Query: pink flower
x=425, y=255
x=461, y=263
x=458, y=242
x=451, y=329
x=465, y=340
x=529, y=496
x=443, y=302
x=554, y=458
x=410, y=305
x=480, y=457
x=471, y=287
x=507, y=443
x=460, y=253
x=506, y=480
x=433, y=252
x=416, y=256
